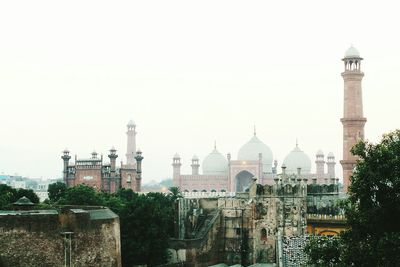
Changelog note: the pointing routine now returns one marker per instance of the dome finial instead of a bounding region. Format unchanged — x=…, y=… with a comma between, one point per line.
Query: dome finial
x=255, y=133
x=297, y=142
x=215, y=144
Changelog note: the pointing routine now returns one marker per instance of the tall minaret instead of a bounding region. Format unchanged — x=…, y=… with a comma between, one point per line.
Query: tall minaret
x=139, y=159
x=131, y=144
x=353, y=119
x=66, y=157
x=195, y=165
x=331, y=167
x=176, y=166
x=320, y=165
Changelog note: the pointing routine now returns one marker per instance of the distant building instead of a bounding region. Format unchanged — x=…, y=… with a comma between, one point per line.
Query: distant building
x=254, y=160
x=104, y=176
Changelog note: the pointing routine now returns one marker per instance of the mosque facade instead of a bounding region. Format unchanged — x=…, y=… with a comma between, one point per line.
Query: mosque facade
x=254, y=159
x=106, y=176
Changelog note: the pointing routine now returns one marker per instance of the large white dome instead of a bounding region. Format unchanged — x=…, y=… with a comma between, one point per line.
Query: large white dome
x=252, y=149
x=297, y=159
x=215, y=164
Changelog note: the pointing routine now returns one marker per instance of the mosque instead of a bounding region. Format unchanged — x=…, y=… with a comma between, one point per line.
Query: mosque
x=254, y=159
x=265, y=217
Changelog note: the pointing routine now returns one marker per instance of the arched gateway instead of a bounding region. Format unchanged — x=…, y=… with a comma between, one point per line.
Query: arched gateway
x=243, y=180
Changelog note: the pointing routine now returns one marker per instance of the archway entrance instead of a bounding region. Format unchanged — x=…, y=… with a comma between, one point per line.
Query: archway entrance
x=243, y=181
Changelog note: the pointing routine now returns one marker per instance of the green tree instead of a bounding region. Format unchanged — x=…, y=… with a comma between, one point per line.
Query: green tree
x=146, y=225
x=373, y=207
x=82, y=195
x=175, y=193
x=56, y=191
x=374, y=204
x=7, y=196
x=324, y=251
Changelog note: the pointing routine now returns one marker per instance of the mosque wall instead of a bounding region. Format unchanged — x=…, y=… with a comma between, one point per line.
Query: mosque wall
x=203, y=182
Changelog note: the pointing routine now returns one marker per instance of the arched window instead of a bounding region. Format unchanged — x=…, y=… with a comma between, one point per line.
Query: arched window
x=264, y=234
x=194, y=190
x=213, y=190
x=203, y=190
x=223, y=190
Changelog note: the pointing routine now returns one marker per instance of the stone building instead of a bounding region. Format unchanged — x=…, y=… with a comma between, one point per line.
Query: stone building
x=254, y=159
x=67, y=236
x=246, y=228
x=106, y=176
x=266, y=224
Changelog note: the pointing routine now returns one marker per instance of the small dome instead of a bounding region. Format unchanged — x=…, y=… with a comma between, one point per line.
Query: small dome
x=113, y=149
x=176, y=156
x=24, y=201
x=320, y=153
x=131, y=123
x=195, y=157
x=352, y=52
x=66, y=151
x=215, y=164
x=251, y=151
x=297, y=159
x=331, y=155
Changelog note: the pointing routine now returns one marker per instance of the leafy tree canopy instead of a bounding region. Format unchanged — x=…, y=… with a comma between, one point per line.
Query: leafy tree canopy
x=373, y=206
x=82, y=195
x=56, y=191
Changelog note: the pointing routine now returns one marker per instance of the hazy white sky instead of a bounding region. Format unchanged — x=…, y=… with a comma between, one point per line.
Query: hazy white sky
x=72, y=73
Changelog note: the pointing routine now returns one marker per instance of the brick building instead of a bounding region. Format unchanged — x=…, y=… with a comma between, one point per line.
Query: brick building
x=106, y=176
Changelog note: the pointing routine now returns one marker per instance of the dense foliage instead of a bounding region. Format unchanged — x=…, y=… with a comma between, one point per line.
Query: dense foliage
x=373, y=207
x=9, y=195
x=324, y=251
x=56, y=191
x=147, y=220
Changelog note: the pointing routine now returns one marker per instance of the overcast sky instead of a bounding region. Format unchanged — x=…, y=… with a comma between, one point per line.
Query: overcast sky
x=73, y=73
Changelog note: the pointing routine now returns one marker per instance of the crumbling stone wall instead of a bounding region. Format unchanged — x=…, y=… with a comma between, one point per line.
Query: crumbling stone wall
x=202, y=250
x=34, y=238
x=30, y=240
x=249, y=224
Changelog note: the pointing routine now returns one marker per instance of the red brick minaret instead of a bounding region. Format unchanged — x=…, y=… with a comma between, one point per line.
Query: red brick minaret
x=139, y=159
x=353, y=119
